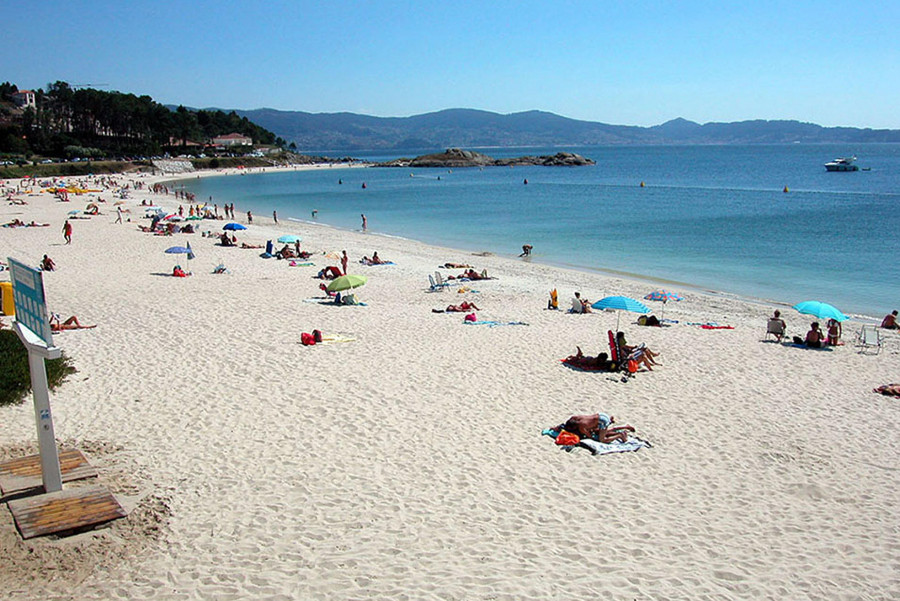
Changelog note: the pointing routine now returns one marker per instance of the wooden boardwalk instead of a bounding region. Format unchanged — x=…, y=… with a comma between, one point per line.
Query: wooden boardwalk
x=24, y=474
x=64, y=511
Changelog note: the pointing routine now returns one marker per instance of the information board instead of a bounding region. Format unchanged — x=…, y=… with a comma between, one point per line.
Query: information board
x=29, y=300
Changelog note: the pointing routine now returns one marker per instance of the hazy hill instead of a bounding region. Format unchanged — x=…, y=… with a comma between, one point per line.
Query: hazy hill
x=469, y=128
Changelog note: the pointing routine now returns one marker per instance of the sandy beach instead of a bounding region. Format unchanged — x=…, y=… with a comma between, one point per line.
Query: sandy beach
x=407, y=461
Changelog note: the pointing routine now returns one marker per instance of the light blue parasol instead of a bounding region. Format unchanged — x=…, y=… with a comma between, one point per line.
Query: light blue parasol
x=621, y=303
x=820, y=310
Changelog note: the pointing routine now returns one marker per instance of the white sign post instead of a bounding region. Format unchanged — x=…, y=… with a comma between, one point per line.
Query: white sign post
x=33, y=328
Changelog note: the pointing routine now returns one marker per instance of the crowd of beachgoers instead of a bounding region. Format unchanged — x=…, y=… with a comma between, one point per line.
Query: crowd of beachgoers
x=309, y=412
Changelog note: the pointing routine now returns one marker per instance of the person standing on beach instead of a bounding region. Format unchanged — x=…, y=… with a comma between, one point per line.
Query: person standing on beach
x=118, y=214
x=365, y=222
x=249, y=217
x=275, y=216
x=344, y=260
x=67, y=232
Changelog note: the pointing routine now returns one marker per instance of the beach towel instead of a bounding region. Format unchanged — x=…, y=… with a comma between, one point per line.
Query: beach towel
x=602, y=448
x=493, y=324
x=617, y=446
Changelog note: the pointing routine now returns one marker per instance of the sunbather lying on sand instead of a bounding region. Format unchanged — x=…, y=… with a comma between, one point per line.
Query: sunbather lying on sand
x=600, y=362
x=597, y=427
x=463, y=306
x=888, y=389
x=70, y=324
x=245, y=245
x=456, y=266
x=471, y=274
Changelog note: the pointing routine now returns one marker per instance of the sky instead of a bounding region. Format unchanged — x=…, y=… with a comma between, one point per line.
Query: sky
x=626, y=63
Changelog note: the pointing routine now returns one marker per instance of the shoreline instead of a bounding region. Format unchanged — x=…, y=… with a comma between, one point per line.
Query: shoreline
x=647, y=279
x=405, y=456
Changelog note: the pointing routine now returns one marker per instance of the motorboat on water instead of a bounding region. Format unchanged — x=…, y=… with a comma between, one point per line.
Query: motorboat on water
x=842, y=164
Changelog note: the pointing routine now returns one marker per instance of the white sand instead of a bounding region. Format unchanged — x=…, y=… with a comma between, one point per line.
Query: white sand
x=408, y=464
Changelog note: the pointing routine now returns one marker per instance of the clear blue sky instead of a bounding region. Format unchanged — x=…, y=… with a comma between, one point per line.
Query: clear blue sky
x=632, y=63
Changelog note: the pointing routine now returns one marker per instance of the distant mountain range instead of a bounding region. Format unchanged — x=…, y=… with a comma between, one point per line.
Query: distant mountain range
x=469, y=128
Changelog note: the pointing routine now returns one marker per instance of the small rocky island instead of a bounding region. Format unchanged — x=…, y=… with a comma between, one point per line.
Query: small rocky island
x=458, y=158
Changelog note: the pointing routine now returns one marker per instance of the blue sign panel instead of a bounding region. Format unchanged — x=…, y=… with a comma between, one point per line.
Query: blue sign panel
x=29, y=300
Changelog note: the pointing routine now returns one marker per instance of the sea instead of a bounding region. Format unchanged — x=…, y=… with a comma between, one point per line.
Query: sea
x=764, y=222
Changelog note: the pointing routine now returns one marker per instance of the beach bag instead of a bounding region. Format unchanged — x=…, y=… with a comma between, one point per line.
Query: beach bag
x=470, y=317
x=307, y=339
x=567, y=438
x=632, y=366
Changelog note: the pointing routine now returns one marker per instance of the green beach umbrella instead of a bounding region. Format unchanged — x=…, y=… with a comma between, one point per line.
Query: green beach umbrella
x=346, y=282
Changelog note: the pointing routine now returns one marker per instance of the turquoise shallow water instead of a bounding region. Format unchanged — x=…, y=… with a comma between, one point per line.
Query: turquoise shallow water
x=712, y=217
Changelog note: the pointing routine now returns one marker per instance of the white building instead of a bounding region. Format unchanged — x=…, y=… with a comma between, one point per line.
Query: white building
x=232, y=140
x=24, y=99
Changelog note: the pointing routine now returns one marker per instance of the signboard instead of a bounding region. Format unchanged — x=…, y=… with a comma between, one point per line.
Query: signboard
x=33, y=329
x=29, y=300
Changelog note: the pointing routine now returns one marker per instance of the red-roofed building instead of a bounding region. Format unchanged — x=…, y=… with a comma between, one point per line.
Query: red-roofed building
x=232, y=140
x=24, y=99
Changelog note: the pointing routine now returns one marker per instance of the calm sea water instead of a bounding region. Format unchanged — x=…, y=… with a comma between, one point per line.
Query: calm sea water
x=710, y=217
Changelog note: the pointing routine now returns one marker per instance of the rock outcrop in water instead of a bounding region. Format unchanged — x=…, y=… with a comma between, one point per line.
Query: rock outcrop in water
x=456, y=158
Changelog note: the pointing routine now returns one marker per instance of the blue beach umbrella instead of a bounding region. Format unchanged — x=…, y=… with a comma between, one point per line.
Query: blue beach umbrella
x=820, y=310
x=231, y=227
x=289, y=239
x=181, y=250
x=621, y=303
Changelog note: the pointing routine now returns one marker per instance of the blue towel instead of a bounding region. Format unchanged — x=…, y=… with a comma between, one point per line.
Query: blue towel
x=494, y=324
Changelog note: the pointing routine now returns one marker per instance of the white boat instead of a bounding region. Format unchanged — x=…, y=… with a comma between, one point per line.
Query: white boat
x=842, y=164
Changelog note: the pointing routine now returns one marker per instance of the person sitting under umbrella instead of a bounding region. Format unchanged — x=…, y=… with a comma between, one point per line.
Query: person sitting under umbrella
x=815, y=337
x=178, y=272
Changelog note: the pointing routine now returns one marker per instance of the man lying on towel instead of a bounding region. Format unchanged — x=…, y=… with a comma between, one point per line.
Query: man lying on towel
x=597, y=427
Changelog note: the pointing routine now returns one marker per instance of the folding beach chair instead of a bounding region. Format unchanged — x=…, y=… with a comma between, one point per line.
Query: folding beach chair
x=440, y=280
x=433, y=286
x=775, y=328
x=869, y=338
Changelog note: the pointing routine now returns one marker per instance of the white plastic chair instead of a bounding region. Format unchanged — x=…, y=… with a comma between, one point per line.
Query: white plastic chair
x=869, y=338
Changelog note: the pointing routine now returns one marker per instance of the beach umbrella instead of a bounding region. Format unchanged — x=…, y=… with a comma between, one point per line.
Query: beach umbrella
x=621, y=303
x=289, y=239
x=663, y=296
x=346, y=282
x=820, y=310
x=233, y=227
x=181, y=250
x=173, y=217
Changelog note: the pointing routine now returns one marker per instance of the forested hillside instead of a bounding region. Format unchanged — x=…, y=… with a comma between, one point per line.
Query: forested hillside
x=84, y=122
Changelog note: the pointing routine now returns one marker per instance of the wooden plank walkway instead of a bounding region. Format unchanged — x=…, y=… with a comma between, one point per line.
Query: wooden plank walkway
x=64, y=511
x=24, y=474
